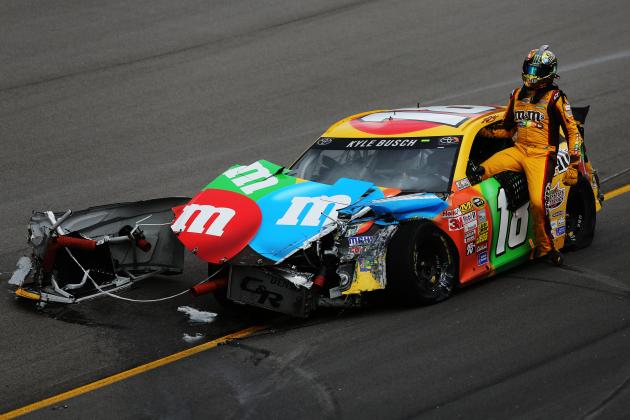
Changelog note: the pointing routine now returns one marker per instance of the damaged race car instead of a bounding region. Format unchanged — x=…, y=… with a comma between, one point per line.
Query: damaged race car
x=381, y=201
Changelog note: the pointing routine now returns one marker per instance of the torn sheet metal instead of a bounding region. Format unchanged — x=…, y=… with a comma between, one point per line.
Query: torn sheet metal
x=371, y=271
x=24, y=266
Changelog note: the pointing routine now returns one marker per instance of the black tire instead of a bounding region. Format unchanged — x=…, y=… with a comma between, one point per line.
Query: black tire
x=580, y=217
x=421, y=264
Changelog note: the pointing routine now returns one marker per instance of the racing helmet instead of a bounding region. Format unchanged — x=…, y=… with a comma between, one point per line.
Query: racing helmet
x=539, y=68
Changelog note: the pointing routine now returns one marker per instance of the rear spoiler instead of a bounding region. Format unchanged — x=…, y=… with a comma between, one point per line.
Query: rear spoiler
x=580, y=113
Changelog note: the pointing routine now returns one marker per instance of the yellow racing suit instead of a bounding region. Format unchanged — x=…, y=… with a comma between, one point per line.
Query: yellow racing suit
x=535, y=117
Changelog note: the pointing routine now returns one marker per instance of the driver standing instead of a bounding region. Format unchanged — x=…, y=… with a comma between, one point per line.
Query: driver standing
x=535, y=112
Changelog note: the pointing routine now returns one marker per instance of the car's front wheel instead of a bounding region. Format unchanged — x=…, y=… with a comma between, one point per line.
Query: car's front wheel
x=421, y=264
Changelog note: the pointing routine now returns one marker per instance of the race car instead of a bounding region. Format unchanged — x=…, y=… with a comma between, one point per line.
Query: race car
x=383, y=200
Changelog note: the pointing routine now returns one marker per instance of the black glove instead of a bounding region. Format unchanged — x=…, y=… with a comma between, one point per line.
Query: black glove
x=474, y=172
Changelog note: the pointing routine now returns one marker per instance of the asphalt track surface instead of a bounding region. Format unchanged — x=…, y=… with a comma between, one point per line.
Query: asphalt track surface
x=117, y=101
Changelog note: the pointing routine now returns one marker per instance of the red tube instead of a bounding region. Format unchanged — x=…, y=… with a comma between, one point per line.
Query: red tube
x=78, y=243
x=209, y=287
x=67, y=241
x=319, y=281
x=143, y=244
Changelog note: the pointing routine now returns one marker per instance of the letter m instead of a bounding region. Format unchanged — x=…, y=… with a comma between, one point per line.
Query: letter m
x=199, y=216
x=315, y=208
x=256, y=176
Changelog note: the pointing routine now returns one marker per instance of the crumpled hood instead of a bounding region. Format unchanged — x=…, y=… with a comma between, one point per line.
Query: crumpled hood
x=261, y=207
x=404, y=207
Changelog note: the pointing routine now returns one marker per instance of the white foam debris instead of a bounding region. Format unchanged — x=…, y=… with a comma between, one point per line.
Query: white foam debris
x=191, y=339
x=195, y=315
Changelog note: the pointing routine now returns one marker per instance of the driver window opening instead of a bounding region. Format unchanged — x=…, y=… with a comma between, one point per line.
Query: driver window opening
x=484, y=147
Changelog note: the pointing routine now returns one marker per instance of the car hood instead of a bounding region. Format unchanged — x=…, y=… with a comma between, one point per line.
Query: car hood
x=260, y=208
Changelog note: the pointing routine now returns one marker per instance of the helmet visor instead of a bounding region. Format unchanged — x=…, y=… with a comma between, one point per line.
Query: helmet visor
x=536, y=70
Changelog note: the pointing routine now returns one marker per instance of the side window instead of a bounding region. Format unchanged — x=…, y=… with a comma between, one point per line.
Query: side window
x=484, y=147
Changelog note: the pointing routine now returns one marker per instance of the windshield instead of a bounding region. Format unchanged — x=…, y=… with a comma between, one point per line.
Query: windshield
x=409, y=164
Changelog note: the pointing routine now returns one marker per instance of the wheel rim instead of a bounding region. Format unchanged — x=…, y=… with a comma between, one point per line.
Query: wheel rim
x=431, y=262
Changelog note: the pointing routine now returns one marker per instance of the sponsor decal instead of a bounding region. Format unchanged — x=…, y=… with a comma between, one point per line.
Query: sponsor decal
x=469, y=236
x=470, y=249
x=452, y=212
x=483, y=227
x=530, y=124
x=536, y=116
x=466, y=207
x=449, y=140
x=393, y=143
x=251, y=178
x=481, y=215
x=562, y=162
x=553, y=224
x=356, y=249
x=482, y=258
x=482, y=247
x=483, y=237
x=359, y=240
x=557, y=213
x=217, y=224
x=469, y=217
x=365, y=264
x=309, y=211
x=455, y=223
x=302, y=211
x=561, y=222
x=554, y=196
x=567, y=110
x=462, y=183
x=478, y=202
x=489, y=119
x=556, y=95
x=470, y=226
x=255, y=286
x=380, y=143
x=561, y=231
x=255, y=180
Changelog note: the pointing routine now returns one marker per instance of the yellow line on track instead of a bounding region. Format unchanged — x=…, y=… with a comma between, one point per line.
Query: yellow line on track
x=128, y=373
x=618, y=191
x=170, y=359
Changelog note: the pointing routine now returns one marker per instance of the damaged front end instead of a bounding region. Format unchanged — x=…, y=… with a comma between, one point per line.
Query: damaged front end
x=271, y=240
x=77, y=256
x=347, y=259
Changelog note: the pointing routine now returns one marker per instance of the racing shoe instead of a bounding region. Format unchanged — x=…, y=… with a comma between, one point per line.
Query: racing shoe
x=553, y=257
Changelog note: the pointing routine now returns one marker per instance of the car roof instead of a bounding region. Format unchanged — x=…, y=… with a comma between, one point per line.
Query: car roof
x=422, y=121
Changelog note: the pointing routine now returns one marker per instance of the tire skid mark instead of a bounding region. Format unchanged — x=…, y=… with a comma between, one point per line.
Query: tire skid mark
x=284, y=373
x=611, y=285
x=595, y=412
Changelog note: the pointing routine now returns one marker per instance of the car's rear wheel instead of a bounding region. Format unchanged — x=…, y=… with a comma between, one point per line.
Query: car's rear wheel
x=580, y=217
x=421, y=264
